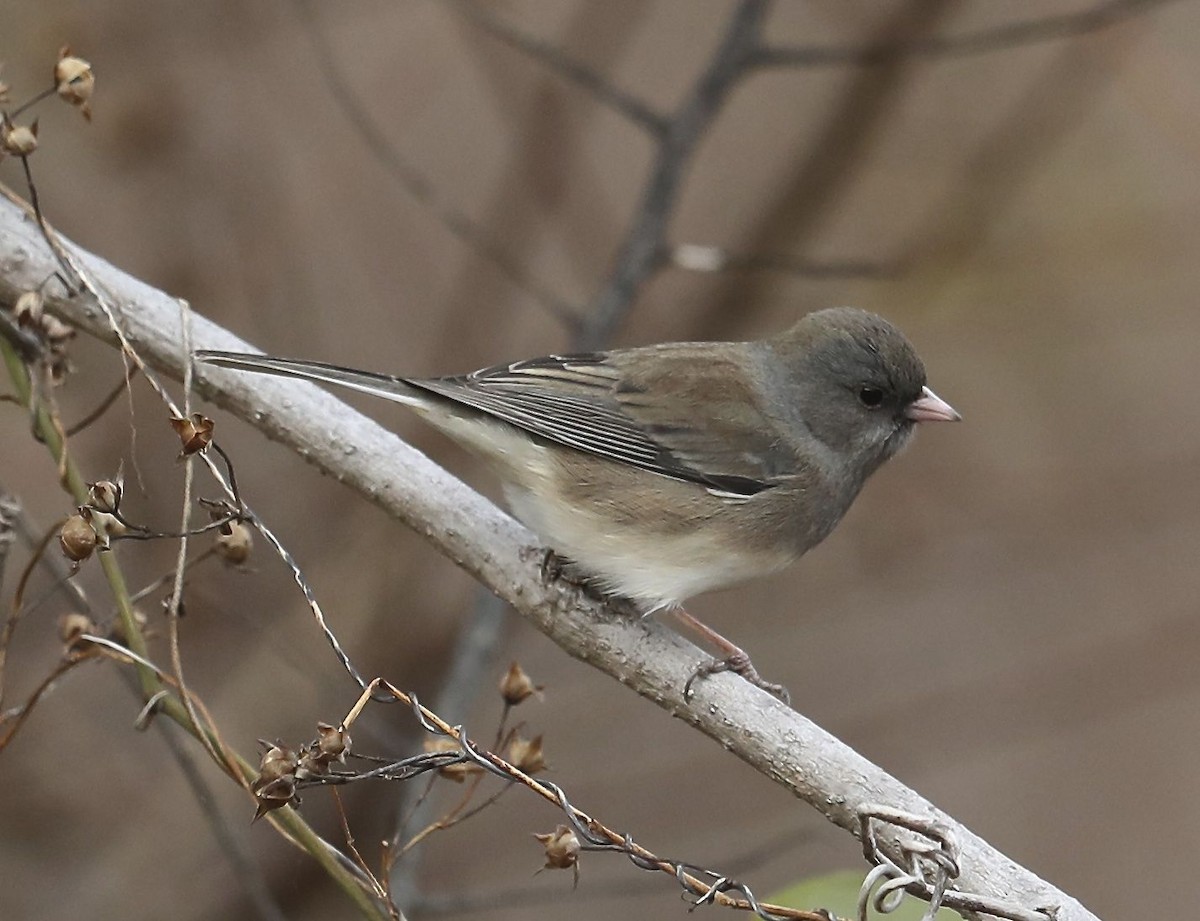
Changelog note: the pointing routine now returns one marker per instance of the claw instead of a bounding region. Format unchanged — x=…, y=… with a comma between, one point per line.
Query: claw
x=739, y=663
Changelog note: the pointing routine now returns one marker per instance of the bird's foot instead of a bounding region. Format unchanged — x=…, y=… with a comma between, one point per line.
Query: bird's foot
x=739, y=663
x=554, y=567
x=731, y=658
x=557, y=568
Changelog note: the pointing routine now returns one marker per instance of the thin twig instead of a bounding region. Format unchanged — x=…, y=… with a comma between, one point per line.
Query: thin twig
x=379, y=888
x=558, y=62
x=151, y=678
x=57, y=566
x=456, y=221
x=644, y=247
x=104, y=406
x=472, y=660
x=175, y=603
x=149, y=589
x=83, y=278
x=25, y=106
x=287, y=822
x=602, y=890
x=16, y=608
x=593, y=835
x=310, y=597
x=232, y=846
x=998, y=38
x=108, y=310
x=38, y=215
x=837, y=146
x=14, y=720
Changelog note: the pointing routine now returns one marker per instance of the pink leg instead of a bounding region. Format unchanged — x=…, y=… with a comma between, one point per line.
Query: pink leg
x=732, y=658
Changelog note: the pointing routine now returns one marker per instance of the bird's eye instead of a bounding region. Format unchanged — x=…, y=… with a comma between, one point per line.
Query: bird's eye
x=870, y=397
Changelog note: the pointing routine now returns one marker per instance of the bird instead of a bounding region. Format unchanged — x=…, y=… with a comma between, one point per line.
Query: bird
x=660, y=472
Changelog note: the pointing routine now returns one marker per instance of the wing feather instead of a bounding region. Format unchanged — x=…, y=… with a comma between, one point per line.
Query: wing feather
x=596, y=404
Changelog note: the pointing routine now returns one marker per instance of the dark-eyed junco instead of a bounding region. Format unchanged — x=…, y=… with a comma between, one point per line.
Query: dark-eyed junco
x=669, y=470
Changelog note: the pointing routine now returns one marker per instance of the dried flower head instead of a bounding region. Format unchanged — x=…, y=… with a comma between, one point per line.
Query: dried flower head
x=562, y=850
x=71, y=627
x=333, y=742
x=527, y=754
x=105, y=495
x=74, y=81
x=517, y=686
x=19, y=140
x=457, y=771
x=195, y=433
x=274, y=794
x=234, y=543
x=277, y=761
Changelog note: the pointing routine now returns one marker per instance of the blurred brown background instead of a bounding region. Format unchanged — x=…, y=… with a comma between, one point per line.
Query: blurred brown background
x=1007, y=618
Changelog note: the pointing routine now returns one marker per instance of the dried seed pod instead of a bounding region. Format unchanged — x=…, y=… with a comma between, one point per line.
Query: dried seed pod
x=277, y=761
x=234, y=543
x=333, y=742
x=562, y=848
x=77, y=538
x=19, y=140
x=311, y=765
x=517, y=686
x=73, y=625
x=527, y=755
x=105, y=495
x=274, y=794
x=74, y=81
x=195, y=433
x=458, y=771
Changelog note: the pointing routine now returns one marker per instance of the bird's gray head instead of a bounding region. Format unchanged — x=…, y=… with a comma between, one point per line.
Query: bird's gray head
x=856, y=385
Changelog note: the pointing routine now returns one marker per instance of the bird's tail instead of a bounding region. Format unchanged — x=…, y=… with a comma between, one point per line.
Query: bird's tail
x=380, y=385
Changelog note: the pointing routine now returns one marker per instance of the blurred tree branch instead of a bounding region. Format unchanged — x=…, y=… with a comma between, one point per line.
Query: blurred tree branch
x=455, y=220
x=498, y=551
x=998, y=38
x=558, y=62
x=644, y=248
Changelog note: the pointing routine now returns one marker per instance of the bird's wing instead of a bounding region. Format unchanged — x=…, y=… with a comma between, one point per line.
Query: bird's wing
x=665, y=415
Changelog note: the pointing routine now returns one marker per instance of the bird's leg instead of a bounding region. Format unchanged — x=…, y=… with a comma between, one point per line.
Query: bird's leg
x=732, y=658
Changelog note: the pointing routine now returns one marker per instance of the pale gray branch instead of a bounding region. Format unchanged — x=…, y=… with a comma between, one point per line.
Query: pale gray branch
x=10, y=513
x=641, y=654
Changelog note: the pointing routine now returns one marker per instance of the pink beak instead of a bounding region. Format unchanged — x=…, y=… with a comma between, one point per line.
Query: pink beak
x=929, y=407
